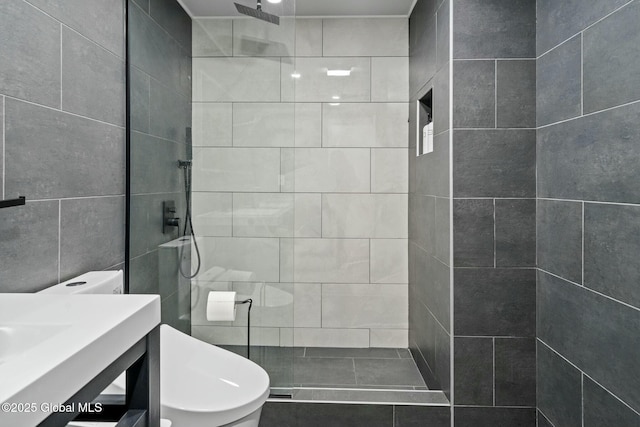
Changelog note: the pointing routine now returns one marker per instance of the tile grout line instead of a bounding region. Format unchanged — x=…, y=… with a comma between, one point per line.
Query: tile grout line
x=4, y=145
x=586, y=375
x=493, y=341
x=589, y=289
x=61, y=66
x=495, y=245
x=582, y=397
x=583, y=233
x=582, y=73
x=59, y=239
x=495, y=95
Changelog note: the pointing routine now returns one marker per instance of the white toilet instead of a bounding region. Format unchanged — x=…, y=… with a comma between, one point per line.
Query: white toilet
x=200, y=384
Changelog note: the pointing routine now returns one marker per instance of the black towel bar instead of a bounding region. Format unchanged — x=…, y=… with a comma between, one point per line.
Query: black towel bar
x=12, y=202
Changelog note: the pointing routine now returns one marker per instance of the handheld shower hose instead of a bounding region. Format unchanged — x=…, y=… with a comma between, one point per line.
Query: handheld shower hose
x=185, y=165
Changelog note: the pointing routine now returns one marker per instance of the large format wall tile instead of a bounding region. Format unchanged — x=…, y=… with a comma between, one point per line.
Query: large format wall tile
x=432, y=170
x=492, y=417
x=473, y=233
x=601, y=408
x=30, y=68
x=155, y=163
x=98, y=20
x=307, y=305
x=29, y=247
x=422, y=53
x=263, y=125
x=340, y=170
x=389, y=259
x=84, y=157
x=611, y=138
x=331, y=260
x=236, y=79
x=388, y=79
x=515, y=371
x=558, y=21
x=170, y=113
x=326, y=337
x=263, y=215
x=308, y=125
x=252, y=37
x=379, y=306
x=308, y=37
x=365, y=37
x=474, y=94
x=364, y=215
x=612, y=60
x=494, y=163
x=172, y=17
x=146, y=220
x=584, y=327
x=212, y=213
x=315, y=85
x=240, y=259
x=237, y=169
x=473, y=366
x=364, y=125
x=559, y=83
x=308, y=215
x=389, y=170
x=212, y=37
x=516, y=94
x=515, y=233
x=494, y=29
x=158, y=54
x=212, y=124
x=87, y=238
x=495, y=302
x=559, y=238
x=559, y=388
x=611, y=245
x=140, y=88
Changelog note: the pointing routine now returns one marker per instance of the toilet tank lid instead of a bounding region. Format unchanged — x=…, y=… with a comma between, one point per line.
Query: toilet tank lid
x=93, y=282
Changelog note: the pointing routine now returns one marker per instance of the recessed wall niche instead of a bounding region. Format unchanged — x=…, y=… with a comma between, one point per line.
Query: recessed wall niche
x=425, y=124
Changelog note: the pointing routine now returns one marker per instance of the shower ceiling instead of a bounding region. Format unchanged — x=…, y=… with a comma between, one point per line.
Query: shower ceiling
x=305, y=7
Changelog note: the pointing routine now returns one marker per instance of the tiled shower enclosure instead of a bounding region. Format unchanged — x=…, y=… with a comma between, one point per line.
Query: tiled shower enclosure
x=300, y=179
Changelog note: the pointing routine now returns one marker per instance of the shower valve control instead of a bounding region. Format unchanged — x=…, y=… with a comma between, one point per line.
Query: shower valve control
x=169, y=219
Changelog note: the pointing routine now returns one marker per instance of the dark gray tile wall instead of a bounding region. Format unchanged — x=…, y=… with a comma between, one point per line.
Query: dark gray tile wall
x=494, y=210
x=429, y=198
x=160, y=51
x=62, y=85
x=281, y=414
x=587, y=153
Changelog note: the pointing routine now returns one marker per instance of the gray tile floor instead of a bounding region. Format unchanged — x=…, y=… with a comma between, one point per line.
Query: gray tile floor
x=344, y=368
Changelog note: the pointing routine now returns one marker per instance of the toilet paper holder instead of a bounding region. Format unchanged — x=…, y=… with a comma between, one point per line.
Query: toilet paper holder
x=250, y=302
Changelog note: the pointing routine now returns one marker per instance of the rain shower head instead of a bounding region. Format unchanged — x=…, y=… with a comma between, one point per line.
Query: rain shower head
x=258, y=13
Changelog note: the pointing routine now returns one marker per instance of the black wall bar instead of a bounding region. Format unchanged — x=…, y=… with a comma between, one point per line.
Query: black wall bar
x=12, y=202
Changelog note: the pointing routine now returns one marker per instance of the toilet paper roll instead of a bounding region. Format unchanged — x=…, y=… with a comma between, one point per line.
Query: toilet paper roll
x=221, y=306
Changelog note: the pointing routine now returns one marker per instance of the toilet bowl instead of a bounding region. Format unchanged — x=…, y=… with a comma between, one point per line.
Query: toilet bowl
x=200, y=384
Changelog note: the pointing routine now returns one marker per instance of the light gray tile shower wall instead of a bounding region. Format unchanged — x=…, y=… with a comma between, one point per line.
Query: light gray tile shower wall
x=301, y=184
x=62, y=87
x=588, y=213
x=160, y=58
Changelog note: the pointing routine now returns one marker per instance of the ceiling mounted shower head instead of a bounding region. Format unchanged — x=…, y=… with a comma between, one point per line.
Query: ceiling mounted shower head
x=258, y=13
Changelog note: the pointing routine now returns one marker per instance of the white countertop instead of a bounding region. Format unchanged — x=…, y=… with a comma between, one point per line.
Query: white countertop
x=61, y=342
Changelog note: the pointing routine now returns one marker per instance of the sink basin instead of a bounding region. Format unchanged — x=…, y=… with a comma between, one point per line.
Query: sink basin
x=16, y=339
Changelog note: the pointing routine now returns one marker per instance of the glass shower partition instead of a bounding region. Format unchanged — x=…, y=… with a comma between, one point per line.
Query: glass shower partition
x=244, y=136
x=159, y=122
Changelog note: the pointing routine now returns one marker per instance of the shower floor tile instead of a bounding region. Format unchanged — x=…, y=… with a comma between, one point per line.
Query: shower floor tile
x=343, y=368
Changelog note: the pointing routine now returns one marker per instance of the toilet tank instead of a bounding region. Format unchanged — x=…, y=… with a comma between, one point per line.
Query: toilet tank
x=93, y=282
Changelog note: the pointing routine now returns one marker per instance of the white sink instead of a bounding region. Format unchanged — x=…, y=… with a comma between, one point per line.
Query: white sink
x=53, y=345
x=17, y=339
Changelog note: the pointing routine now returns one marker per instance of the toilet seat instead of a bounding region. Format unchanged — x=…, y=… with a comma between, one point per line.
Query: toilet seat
x=206, y=384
